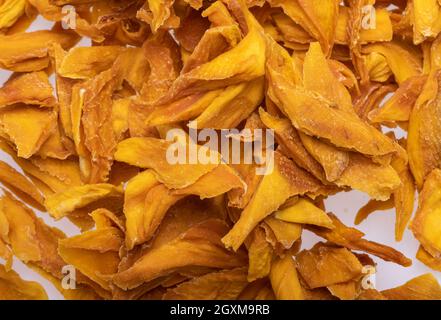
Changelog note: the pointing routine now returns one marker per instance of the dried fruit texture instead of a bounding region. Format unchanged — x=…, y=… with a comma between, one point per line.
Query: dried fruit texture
x=27, y=127
x=15, y=288
x=284, y=279
x=18, y=90
x=352, y=239
x=222, y=285
x=324, y=266
x=423, y=144
x=424, y=287
x=426, y=220
x=110, y=145
x=286, y=180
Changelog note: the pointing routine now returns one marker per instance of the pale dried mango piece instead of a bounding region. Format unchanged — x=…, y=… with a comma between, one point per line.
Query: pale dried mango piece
x=372, y=206
x=23, y=52
x=424, y=287
x=334, y=161
x=313, y=115
x=219, y=181
x=378, y=181
x=377, y=67
x=12, y=287
x=27, y=127
x=152, y=153
x=327, y=85
x=29, y=88
x=10, y=12
x=186, y=108
x=399, y=107
x=62, y=203
x=352, y=239
x=222, y=285
x=94, y=253
x=96, y=119
x=404, y=196
x=349, y=290
x=426, y=16
x=198, y=246
x=233, y=105
x=260, y=255
x=325, y=265
x=423, y=144
x=67, y=171
x=404, y=61
x=158, y=14
x=427, y=218
x=88, y=62
x=248, y=55
x=284, y=279
x=304, y=212
x=285, y=233
x=383, y=30
x=290, y=139
x=429, y=260
x=286, y=180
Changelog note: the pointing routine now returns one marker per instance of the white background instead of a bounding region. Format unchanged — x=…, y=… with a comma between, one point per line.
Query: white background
x=378, y=227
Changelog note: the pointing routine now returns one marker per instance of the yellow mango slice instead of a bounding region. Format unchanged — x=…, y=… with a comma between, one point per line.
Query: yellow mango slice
x=427, y=218
x=27, y=127
x=12, y=287
x=324, y=265
x=424, y=287
x=304, y=212
x=260, y=255
x=18, y=90
x=284, y=279
x=288, y=180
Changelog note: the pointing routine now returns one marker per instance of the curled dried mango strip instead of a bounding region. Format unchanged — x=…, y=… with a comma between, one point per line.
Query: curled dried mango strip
x=424, y=287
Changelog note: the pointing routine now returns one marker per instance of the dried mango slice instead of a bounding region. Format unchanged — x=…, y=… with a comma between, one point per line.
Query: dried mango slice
x=65, y=202
x=377, y=180
x=88, y=62
x=12, y=287
x=260, y=255
x=158, y=14
x=27, y=127
x=23, y=52
x=333, y=160
x=284, y=279
x=372, y=206
x=403, y=60
x=291, y=141
x=21, y=186
x=152, y=153
x=324, y=265
x=22, y=235
x=429, y=260
x=399, y=107
x=289, y=180
x=18, y=90
x=425, y=222
x=345, y=291
x=352, y=239
x=297, y=103
x=285, y=233
x=424, y=287
x=249, y=55
x=222, y=285
x=426, y=15
x=423, y=144
x=199, y=246
x=305, y=212
x=10, y=12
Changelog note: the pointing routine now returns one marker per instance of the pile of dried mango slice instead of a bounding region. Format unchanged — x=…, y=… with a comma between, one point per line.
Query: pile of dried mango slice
x=87, y=127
